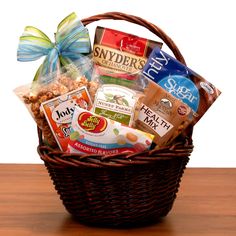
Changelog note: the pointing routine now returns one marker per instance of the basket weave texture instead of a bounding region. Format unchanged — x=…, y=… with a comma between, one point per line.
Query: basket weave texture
x=123, y=189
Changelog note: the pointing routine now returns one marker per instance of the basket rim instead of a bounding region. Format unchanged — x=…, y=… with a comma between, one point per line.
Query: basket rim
x=58, y=158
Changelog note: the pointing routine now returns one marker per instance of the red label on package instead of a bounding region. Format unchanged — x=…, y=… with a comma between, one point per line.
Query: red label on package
x=124, y=42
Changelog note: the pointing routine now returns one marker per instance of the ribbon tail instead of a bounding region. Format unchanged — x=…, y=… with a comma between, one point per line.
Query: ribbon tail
x=34, y=83
x=50, y=63
x=48, y=69
x=38, y=73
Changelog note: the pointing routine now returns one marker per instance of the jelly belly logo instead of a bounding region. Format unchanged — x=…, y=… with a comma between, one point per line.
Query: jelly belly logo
x=91, y=123
x=182, y=88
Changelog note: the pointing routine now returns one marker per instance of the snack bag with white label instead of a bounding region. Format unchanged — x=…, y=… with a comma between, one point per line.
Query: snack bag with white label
x=91, y=133
x=163, y=115
x=117, y=103
x=58, y=112
x=181, y=82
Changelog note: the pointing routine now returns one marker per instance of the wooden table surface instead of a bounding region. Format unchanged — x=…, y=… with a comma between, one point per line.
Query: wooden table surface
x=29, y=205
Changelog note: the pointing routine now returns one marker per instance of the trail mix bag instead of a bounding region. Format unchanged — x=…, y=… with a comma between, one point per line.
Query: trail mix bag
x=162, y=114
x=175, y=98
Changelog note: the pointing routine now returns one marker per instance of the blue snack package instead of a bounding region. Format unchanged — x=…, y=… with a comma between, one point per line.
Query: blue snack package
x=181, y=82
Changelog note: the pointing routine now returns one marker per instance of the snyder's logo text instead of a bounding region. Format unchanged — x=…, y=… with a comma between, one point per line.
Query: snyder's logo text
x=103, y=54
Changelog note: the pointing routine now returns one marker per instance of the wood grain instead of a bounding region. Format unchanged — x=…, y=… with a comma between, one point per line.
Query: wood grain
x=29, y=205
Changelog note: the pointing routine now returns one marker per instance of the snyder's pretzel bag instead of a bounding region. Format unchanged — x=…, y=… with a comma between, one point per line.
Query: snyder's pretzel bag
x=181, y=82
x=95, y=134
x=121, y=52
x=119, y=57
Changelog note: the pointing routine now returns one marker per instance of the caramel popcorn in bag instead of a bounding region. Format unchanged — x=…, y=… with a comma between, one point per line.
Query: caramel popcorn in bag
x=33, y=98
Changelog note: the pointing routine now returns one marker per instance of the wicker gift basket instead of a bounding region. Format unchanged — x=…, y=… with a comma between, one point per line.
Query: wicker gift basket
x=122, y=189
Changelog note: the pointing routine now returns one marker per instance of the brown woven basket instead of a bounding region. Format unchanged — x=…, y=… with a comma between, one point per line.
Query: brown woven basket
x=120, y=190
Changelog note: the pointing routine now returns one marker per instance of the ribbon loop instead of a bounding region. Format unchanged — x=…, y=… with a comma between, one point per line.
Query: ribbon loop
x=71, y=40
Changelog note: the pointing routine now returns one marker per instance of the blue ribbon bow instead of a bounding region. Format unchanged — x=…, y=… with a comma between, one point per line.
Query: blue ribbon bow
x=71, y=40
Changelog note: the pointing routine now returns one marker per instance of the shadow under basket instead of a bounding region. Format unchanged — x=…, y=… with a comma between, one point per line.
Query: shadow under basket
x=124, y=189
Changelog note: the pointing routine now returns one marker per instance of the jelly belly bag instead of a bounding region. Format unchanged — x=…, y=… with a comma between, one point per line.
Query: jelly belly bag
x=91, y=133
x=181, y=82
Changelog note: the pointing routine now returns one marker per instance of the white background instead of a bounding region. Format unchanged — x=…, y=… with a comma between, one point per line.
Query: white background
x=204, y=31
